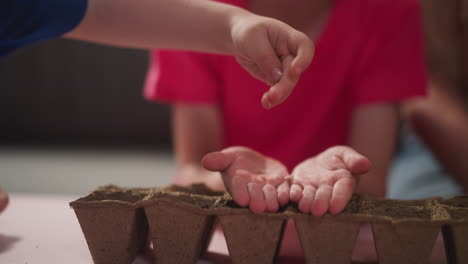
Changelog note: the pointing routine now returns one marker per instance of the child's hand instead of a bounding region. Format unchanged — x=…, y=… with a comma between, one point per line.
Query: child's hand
x=251, y=178
x=273, y=52
x=326, y=182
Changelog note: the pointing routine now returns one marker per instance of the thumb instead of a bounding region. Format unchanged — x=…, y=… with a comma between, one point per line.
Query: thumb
x=303, y=48
x=355, y=162
x=217, y=161
x=282, y=89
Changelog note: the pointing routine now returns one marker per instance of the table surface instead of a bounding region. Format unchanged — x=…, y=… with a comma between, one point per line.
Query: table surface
x=40, y=229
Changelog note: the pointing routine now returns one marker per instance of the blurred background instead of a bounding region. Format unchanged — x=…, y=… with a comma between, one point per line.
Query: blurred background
x=72, y=117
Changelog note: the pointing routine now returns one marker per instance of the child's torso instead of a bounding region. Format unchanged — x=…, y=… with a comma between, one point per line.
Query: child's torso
x=315, y=116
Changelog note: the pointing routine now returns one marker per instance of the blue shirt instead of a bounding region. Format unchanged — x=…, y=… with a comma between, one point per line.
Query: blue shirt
x=26, y=21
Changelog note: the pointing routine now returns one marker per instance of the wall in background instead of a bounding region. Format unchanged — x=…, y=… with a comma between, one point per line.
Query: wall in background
x=68, y=92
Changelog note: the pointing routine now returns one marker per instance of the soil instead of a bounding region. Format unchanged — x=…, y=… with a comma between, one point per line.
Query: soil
x=194, y=189
x=458, y=213
x=459, y=201
x=396, y=209
x=114, y=193
x=201, y=196
x=181, y=226
x=354, y=205
x=195, y=194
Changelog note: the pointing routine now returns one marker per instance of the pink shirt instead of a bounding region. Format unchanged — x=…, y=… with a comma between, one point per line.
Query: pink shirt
x=371, y=51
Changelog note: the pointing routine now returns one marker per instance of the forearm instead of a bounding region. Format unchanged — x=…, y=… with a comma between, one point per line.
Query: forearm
x=197, y=132
x=177, y=24
x=372, y=183
x=374, y=132
x=442, y=124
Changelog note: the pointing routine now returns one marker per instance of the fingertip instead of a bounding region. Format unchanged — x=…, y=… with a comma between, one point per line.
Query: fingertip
x=295, y=193
x=271, y=198
x=283, y=193
x=257, y=199
x=339, y=201
x=266, y=102
x=360, y=165
x=273, y=209
x=336, y=207
x=283, y=198
x=304, y=205
x=242, y=201
x=308, y=196
x=239, y=191
x=354, y=161
x=319, y=207
x=257, y=208
x=295, y=196
x=275, y=96
x=322, y=200
x=342, y=193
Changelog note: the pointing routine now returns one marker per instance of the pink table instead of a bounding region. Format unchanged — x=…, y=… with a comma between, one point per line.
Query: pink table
x=40, y=229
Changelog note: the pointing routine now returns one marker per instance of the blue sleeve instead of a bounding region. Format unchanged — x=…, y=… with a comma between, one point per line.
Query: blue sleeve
x=26, y=21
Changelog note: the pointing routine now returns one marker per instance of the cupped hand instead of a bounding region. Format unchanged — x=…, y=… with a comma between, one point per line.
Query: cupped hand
x=327, y=181
x=251, y=178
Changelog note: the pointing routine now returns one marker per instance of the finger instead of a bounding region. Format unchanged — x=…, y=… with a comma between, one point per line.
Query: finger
x=267, y=59
x=353, y=161
x=282, y=89
x=238, y=189
x=217, y=161
x=283, y=193
x=322, y=200
x=308, y=196
x=271, y=198
x=255, y=71
x=304, y=49
x=295, y=193
x=257, y=199
x=342, y=192
x=356, y=163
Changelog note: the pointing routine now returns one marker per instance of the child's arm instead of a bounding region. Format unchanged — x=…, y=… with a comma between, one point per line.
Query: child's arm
x=374, y=130
x=441, y=121
x=197, y=131
x=259, y=43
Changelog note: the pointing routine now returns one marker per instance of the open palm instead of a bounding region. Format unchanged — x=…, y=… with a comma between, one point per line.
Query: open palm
x=327, y=181
x=251, y=178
